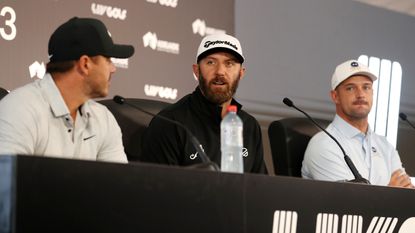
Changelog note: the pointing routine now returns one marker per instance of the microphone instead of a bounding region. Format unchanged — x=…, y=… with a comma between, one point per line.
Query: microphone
x=206, y=162
x=349, y=162
x=404, y=118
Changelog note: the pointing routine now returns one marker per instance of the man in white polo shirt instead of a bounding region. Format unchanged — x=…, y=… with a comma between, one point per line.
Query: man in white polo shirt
x=374, y=157
x=55, y=116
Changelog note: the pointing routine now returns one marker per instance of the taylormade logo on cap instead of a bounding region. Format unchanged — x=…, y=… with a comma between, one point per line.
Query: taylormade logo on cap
x=220, y=42
x=209, y=43
x=348, y=69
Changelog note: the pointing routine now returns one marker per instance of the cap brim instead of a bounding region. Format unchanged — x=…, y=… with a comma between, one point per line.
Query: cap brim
x=121, y=51
x=364, y=73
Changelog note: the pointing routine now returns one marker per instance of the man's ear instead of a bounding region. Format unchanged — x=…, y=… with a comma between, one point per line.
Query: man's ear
x=196, y=71
x=334, y=96
x=83, y=64
x=242, y=72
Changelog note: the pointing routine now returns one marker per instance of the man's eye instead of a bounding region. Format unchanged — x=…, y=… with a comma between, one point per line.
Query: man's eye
x=230, y=64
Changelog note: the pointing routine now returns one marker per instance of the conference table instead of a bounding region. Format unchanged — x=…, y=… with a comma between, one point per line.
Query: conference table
x=39, y=194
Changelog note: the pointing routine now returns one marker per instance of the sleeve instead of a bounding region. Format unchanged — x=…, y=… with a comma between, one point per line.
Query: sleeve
x=112, y=149
x=161, y=143
x=18, y=126
x=259, y=163
x=395, y=160
x=323, y=160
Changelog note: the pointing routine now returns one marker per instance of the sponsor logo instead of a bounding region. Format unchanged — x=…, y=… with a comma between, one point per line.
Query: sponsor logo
x=170, y=3
x=199, y=27
x=162, y=92
x=287, y=222
x=193, y=156
x=209, y=43
x=120, y=62
x=244, y=152
x=150, y=40
x=37, y=70
x=109, y=11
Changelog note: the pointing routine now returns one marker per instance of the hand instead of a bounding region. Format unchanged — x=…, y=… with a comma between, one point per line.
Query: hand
x=400, y=179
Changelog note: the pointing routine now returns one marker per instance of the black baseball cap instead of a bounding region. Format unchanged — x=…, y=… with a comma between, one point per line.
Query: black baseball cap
x=84, y=36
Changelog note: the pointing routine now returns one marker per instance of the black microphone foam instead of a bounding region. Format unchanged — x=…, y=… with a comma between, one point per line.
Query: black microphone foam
x=119, y=99
x=288, y=102
x=405, y=118
x=206, y=162
x=349, y=162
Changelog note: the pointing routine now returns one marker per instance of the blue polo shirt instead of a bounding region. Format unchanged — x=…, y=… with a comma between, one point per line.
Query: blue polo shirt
x=374, y=157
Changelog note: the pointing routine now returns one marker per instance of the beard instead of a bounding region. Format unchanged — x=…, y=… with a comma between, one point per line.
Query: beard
x=218, y=96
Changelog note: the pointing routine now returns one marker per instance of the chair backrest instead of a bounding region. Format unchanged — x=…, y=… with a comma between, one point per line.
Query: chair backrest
x=288, y=140
x=133, y=122
x=3, y=92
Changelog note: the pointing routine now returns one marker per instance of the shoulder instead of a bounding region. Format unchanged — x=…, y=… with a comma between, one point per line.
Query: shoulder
x=177, y=109
x=24, y=101
x=247, y=118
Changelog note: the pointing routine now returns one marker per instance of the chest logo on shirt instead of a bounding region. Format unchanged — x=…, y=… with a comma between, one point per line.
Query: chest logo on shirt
x=244, y=152
x=193, y=156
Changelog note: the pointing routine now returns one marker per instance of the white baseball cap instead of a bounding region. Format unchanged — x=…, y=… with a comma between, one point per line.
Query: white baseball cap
x=348, y=69
x=219, y=42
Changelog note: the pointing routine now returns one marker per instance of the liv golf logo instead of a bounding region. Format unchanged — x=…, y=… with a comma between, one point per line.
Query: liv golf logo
x=199, y=27
x=150, y=40
x=109, y=11
x=286, y=222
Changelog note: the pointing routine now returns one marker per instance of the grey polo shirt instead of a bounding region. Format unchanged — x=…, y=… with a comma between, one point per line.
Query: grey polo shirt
x=35, y=120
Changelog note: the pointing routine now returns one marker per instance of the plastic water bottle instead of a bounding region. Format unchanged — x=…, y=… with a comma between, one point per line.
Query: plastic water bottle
x=231, y=142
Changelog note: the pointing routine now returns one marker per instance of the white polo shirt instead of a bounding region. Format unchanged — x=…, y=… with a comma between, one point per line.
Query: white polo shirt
x=374, y=157
x=34, y=120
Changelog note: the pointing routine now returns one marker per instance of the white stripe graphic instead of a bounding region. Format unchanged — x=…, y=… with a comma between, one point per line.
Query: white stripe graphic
x=382, y=225
x=352, y=224
x=327, y=223
x=285, y=222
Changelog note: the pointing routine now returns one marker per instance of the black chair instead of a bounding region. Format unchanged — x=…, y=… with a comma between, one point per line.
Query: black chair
x=3, y=92
x=133, y=122
x=288, y=140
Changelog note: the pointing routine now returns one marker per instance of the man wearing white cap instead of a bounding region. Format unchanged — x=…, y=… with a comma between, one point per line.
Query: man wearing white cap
x=374, y=157
x=218, y=70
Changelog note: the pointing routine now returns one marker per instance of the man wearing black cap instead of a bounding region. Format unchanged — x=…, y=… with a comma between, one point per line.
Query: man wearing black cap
x=55, y=116
x=218, y=70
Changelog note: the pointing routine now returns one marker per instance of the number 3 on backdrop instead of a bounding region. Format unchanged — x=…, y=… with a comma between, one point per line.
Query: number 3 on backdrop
x=9, y=31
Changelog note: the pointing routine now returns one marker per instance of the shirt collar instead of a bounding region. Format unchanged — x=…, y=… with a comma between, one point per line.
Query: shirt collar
x=345, y=128
x=208, y=108
x=54, y=97
x=56, y=101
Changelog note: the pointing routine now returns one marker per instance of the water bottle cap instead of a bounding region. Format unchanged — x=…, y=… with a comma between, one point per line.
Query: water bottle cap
x=232, y=108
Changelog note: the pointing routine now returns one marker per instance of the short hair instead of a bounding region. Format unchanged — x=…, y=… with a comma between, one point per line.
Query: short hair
x=59, y=67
